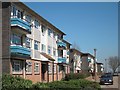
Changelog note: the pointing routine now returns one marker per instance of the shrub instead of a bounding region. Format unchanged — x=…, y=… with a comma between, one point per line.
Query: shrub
x=10, y=82
x=67, y=85
x=40, y=85
x=73, y=76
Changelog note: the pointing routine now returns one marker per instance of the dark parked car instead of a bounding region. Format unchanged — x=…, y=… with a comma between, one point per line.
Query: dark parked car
x=106, y=79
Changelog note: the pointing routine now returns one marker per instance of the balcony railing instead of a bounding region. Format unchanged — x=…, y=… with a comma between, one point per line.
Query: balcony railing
x=60, y=44
x=19, y=51
x=61, y=60
x=21, y=23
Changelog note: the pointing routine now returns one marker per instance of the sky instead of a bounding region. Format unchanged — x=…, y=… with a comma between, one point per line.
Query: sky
x=88, y=24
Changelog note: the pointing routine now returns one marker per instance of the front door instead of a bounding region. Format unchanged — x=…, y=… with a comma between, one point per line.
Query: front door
x=44, y=69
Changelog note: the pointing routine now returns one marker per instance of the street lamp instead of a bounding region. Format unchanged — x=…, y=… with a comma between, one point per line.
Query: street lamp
x=105, y=65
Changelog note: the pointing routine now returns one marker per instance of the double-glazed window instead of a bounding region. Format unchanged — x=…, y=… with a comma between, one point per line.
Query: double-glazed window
x=17, y=66
x=28, y=42
x=36, y=67
x=60, y=53
x=37, y=24
x=28, y=18
x=17, y=13
x=55, y=68
x=49, y=32
x=49, y=69
x=16, y=39
x=54, y=35
x=36, y=44
x=49, y=50
x=54, y=51
x=43, y=28
x=43, y=49
x=14, y=10
x=29, y=67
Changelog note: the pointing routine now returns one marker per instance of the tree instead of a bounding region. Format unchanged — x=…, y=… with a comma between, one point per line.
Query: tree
x=114, y=63
x=76, y=46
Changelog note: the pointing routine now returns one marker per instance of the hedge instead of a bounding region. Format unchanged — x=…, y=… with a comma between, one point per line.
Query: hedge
x=72, y=84
x=16, y=83
x=11, y=82
x=74, y=76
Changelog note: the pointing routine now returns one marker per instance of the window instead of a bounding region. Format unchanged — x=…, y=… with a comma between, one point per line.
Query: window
x=58, y=36
x=54, y=68
x=36, y=43
x=37, y=24
x=28, y=18
x=16, y=39
x=54, y=35
x=13, y=11
x=17, y=13
x=28, y=42
x=49, y=50
x=49, y=32
x=60, y=53
x=17, y=66
x=36, y=67
x=43, y=28
x=29, y=67
x=43, y=48
x=54, y=51
x=49, y=69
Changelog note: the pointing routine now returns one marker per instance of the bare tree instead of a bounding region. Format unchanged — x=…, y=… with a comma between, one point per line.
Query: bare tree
x=76, y=46
x=114, y=63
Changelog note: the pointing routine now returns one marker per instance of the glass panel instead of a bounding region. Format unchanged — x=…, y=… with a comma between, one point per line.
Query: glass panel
x=16, y=39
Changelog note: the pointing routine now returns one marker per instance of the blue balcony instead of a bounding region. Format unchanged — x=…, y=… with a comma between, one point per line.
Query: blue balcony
x=20, y=23
x=19, y=51
x=61, y=60
x=61, y=44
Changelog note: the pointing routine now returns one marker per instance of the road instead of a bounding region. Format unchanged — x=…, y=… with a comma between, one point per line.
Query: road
x=111, y=87
x=116, y=83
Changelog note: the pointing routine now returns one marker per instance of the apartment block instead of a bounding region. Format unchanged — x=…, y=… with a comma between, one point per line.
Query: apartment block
x=75, y=60
x=100, y=68
x=88, y=63
x=81, y=62
x=33, y=48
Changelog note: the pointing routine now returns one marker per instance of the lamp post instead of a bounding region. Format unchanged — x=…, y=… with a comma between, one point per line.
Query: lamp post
x=105, y=65
x=95, y=64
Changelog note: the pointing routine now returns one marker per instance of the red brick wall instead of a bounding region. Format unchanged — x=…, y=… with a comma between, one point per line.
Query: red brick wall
x=34, y=77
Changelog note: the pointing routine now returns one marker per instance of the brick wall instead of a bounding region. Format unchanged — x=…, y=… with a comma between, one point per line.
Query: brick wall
x=6, y=28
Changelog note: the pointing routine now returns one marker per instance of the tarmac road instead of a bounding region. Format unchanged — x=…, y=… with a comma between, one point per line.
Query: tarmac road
x=116, y=84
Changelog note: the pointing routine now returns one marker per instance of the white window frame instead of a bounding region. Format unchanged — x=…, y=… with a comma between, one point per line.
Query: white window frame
x=29, y=41
x=43, y=30
x=43, y=48
x=37, y=24
x=29, y=67
x=49, y=32
x=49, y=48
x=36, y=68
x=49, y=69
x=54, y=51
x=28, y=18
x=15, y=36
x=54, y=35
x=36, y=43
x=55, y=67
x=19, y=63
